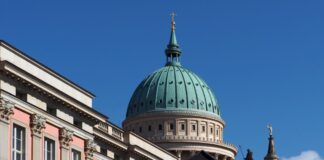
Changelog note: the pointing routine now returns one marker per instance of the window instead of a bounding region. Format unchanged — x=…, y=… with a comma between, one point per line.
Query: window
x=160, y=127
x=18, y=143
x=76, y=155
x=211, y=130
x=171, y=127
x=149, y=128
x=140, y=129
x=183, y=126
x=193, y=127
x=217, y=131
x=49, y=149
x=203, y=128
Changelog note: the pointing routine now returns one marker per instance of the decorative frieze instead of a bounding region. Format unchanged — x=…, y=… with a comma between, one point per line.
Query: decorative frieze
x=37, y=124
x=66, y=136
x=90, y=148
x=6, y=109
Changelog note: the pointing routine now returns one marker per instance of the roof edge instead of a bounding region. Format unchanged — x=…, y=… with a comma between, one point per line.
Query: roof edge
x=45, y=68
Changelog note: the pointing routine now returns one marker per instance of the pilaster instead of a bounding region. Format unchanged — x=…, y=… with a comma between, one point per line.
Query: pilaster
x=37, y=126
x=198, y=128
x=177, y=126
x=90, y=148
x=65, y=139
x=6, y=110
x=188, y=127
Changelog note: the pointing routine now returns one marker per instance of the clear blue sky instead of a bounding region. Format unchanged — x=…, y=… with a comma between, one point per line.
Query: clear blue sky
x=263, y=59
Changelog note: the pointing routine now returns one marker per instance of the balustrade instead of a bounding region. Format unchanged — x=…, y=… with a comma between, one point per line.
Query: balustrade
x=193, y=138
x=111, y=130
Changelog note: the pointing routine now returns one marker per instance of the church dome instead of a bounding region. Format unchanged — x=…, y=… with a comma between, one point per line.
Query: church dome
x=175, y=109
x=173, y=88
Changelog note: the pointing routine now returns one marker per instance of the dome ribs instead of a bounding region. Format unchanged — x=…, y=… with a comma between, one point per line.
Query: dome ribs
x=175, y=88
x=148, y=97
x=193, y=84
x=185, y=86
x=202, y=90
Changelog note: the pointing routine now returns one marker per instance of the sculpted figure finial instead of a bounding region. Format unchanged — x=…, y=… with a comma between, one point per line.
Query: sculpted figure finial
x=269, y=126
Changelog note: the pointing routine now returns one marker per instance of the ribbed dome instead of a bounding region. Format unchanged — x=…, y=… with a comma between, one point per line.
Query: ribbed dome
x=173, y=88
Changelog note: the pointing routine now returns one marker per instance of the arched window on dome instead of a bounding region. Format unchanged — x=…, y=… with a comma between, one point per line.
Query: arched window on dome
x=170, y=127
x=183, y=127
x=193, y=127
x=217, y=131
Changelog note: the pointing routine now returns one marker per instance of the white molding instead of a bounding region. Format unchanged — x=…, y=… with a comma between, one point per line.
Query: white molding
x=57, y=93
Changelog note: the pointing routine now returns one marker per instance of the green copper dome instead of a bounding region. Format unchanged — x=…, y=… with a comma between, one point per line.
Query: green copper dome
x=173, y=88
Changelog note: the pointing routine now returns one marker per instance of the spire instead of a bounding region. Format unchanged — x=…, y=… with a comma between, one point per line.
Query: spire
x=249, y=155
x=173, y=38
x=271, y=155
x=173, y=51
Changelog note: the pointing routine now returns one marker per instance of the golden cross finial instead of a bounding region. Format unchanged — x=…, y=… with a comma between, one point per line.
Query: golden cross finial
x=172, y=20
x=269, y=126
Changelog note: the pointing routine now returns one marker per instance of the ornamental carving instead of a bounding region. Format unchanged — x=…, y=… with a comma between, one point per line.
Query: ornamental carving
x=65, y=137
x=6, y=108
x=90, y=148
x=37, y=123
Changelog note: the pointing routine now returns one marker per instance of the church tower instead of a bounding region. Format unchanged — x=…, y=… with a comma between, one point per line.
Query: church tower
x=175, y=109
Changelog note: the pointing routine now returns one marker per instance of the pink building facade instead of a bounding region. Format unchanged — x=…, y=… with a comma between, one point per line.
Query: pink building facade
x=44, y=116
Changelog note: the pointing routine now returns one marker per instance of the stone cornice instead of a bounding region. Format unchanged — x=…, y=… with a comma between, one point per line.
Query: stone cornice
x=6, y=109
x=19, y=75
x=192, y=140
x=184, y=114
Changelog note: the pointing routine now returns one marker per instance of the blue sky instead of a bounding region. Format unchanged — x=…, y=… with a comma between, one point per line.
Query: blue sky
x=263, y=59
